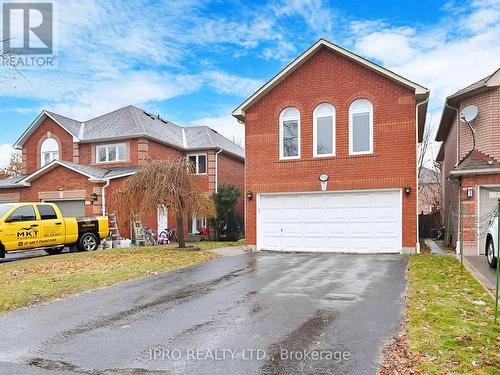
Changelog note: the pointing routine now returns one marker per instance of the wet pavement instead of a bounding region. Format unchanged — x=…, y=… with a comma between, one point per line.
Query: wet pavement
x=258, y=313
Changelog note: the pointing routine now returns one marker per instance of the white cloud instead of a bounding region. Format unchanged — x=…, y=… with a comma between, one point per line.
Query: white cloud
x=443, y=58
x=318, y=16
x=226, y=125
x=231, y=84
x=6, y=151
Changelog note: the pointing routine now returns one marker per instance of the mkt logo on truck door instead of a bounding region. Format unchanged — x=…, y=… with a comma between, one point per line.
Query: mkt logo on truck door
x=27, y=233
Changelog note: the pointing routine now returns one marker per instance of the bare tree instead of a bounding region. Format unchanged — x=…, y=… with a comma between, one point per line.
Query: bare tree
x=429, y=171
x=164, y=183
x=14, y=168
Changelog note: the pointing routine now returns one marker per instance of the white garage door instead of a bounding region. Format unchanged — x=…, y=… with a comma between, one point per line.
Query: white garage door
x=74, y=208
x=368, y=221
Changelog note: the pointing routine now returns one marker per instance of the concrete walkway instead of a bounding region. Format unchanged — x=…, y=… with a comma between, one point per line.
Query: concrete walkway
x=229, y=251
x=435, y=249
x=484, y=273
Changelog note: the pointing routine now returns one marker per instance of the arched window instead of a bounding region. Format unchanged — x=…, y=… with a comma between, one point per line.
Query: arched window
x=324, y=130
x=290, y=133
x=361, y=127
x=49, y=151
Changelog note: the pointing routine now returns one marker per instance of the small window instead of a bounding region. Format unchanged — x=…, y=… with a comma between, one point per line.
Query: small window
x=289, y=133
x=324, y=130
x=24, y=213
x=49, y=150
x=46, y=212
x=111, y=153
x=199, y=163
x=361, y=127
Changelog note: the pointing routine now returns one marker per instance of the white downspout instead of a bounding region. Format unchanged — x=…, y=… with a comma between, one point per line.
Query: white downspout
x=417, y=246
x=103, y=198
x=217, y=170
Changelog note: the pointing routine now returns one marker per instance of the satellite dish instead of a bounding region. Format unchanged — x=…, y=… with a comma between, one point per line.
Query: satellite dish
x=469, y=113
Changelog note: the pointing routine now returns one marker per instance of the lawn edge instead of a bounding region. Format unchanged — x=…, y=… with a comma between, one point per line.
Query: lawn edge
x=83, y=292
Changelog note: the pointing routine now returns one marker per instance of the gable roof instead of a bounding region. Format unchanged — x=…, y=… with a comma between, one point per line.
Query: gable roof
x=421, y=92
x=448, y=114
x=132, y=122
x=477, y=163
x=428, y=176
x=94, y=174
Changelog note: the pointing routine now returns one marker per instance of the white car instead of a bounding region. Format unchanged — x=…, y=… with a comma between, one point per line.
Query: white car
x=492, y=244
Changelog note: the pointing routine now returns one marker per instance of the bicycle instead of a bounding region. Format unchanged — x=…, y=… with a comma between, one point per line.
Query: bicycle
x=167, y=236
x=149, y=237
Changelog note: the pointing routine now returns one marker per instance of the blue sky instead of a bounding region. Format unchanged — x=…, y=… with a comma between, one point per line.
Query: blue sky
x=195, y=61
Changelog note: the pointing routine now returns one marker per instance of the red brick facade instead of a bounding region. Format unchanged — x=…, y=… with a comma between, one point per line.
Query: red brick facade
x=328, y=77
x=456, y=145
x=64, y=183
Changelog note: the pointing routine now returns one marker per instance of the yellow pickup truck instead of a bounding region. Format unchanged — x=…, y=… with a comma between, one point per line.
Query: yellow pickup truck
x=26, y=226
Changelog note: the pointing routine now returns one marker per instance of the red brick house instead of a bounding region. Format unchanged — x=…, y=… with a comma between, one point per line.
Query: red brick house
x=469, y=174
x=78, y=164
x=331, y=156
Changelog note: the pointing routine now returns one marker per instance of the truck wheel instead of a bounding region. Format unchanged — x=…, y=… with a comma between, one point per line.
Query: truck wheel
x=87, y=242
x=490, y=254
x=54, y=251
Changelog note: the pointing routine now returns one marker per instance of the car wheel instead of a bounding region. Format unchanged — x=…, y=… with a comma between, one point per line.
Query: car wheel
x=54, y=251
x=490, y=254
x=87, y=242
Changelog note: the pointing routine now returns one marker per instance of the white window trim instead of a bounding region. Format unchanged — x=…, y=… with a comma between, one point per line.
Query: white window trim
x=281, y=120
x=108, y=146
x=49, y=152
x=198, y=163
x=315, y=131
x=351, y=112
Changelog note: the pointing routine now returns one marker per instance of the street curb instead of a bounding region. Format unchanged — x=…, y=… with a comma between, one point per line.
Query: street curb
x=487, y=285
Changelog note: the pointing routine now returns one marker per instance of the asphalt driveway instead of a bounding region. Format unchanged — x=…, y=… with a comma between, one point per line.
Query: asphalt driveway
x=259, y=313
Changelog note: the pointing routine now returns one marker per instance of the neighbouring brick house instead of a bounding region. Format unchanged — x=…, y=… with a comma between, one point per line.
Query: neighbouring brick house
x=78, y=164
x=467, y=180
x=331, y=146
x=429, y=194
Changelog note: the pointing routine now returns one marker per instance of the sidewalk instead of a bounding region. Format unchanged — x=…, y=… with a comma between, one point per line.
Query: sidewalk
x=435, y=249
x=484, y=273
x=229, y=251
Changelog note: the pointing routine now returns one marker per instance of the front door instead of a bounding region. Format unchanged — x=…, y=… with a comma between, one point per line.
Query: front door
x=22, y=229
x=162, y=219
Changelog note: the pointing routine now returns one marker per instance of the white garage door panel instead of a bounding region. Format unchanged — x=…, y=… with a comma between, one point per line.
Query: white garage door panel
x=368, y=221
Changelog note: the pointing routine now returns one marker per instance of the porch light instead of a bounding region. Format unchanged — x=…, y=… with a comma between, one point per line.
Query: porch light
x=470, y=192
x=94, y=197
x=249, y=195
x=407, y=190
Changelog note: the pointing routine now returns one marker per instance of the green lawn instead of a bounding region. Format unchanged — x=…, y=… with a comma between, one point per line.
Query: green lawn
x=210, y=245
x=42, y=279
x=451, y=326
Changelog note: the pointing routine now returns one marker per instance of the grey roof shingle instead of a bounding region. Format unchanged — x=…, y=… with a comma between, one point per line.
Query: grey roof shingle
x=428, y=176
x=11, y=181
x=99, y=173
x=477, y=160
x=69, y=124
x=131, y=121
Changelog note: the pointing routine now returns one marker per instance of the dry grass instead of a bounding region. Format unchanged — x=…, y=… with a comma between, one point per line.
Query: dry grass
x=43, y=279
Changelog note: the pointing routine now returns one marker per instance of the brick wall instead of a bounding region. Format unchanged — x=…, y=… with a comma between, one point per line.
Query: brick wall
x=487, y=124
x=232, y=171
x=328, y=77
x=470, y=206
x=31, y=148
